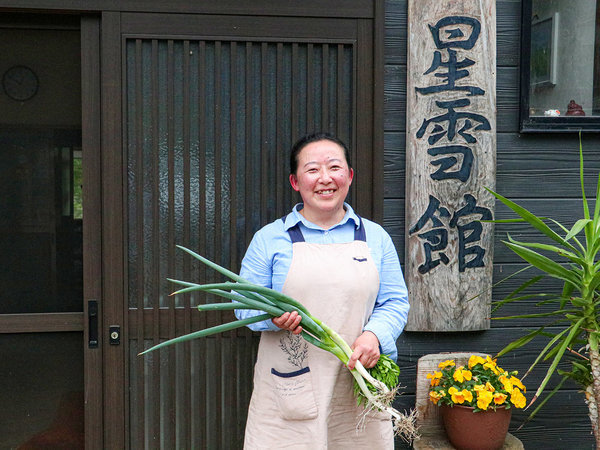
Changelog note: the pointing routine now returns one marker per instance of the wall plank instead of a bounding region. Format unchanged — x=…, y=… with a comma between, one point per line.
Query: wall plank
x=548, y=162
x=396, y=19
x=508, y=27
x=507, y=98
x=564, y=210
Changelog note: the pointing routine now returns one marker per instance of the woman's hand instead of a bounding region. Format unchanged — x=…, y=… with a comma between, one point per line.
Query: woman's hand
x=366, y=350
x=289, y=321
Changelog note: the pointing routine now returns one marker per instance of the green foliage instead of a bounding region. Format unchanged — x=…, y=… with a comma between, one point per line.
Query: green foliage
x=573, y=259
x=386, y=371
x=581, y=373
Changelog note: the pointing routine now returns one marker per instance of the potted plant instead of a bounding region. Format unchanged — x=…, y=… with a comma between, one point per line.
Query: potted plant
x=476, y=401
x=573, y=330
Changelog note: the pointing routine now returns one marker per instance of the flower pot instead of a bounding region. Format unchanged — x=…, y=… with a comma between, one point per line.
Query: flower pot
x=483, y=430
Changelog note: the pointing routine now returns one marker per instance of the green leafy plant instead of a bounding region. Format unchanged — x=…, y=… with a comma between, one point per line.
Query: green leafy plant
x=482, y=385
x=573, y=259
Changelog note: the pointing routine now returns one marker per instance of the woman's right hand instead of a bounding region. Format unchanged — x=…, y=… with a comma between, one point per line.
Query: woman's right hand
x=289, y=321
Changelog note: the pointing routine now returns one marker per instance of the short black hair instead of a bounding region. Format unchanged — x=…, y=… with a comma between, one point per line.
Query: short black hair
x=309, y=139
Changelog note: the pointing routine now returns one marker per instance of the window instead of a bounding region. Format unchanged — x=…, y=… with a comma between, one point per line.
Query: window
x=560, y=65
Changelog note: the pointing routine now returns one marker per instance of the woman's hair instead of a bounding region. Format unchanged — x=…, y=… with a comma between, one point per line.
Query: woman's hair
x=309, y=139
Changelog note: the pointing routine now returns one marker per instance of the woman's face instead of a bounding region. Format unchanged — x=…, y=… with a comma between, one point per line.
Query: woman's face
x=323, y=177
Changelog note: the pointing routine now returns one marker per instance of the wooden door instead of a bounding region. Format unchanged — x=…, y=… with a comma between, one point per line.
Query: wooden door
x=199, y=113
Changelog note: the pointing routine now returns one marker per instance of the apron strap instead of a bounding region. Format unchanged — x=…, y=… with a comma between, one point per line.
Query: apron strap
x=297, y=236
x=359, y=233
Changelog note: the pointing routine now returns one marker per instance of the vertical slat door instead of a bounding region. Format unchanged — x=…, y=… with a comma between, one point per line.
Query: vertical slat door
x=208, y=120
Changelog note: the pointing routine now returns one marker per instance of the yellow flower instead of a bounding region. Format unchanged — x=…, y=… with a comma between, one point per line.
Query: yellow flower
x=447, y=363
x=479, y=382
x=491, y=364
x=506, y=383
x=484, y=398
x=474, y=360
x=460, y=397
x=461, y=375
x=468, y=395
x=516, y=382
x=435, y=378
x=499, y=398
x=517, y=398
x=435, y=396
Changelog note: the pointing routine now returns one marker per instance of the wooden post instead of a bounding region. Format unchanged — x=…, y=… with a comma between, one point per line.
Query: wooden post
x=451, y=159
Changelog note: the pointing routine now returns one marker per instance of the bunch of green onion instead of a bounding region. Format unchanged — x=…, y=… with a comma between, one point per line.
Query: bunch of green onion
x=375, y=388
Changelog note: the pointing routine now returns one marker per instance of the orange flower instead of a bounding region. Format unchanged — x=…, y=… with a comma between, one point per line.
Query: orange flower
x=461, y=375
x=435, y=396
x=500, y=398
x=447, y=363
x=460, y=396
x=435, y=378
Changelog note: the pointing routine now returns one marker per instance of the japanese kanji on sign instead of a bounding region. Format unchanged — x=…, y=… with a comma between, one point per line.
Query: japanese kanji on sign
x=451, y=159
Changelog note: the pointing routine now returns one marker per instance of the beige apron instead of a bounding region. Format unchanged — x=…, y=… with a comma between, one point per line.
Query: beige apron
x=303, y=396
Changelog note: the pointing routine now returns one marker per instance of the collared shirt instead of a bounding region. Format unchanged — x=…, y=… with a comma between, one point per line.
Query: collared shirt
x=269, y=256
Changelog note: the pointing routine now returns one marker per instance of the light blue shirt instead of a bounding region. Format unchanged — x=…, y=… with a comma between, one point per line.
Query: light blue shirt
x=269, y=256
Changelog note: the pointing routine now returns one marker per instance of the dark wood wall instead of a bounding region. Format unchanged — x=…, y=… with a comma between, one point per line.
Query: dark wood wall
x=539, y=171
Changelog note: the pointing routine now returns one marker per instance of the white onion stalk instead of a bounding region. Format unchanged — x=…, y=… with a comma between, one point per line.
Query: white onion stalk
x=273, y=303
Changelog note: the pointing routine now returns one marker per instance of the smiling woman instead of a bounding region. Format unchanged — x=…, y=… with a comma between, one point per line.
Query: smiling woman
x=322, y=176
x=345, y=270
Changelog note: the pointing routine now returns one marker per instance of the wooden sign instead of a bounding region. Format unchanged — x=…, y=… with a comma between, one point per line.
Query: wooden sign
x=451, y=158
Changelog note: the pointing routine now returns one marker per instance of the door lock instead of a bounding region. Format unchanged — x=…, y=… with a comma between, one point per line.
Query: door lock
x=114, y=335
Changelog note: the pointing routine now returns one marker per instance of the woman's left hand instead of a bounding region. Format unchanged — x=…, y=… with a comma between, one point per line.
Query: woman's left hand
x=366, y=350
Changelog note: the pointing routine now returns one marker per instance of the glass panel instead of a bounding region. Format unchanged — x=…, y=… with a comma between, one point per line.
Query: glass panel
x=40, y=239
x=40, y=171
x=564, y=60
x=41, y=391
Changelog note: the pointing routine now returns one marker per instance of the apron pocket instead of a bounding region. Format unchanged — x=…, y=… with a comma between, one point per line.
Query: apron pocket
x=294, y=394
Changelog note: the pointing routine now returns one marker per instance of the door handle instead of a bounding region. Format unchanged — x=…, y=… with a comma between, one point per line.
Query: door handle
x=93, y=324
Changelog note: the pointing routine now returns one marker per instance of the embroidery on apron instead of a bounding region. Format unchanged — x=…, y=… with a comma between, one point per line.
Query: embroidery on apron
x=294, y=393
x=295, y=347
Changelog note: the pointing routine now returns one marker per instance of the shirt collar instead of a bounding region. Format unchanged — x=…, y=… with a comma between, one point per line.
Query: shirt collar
x=294, y=217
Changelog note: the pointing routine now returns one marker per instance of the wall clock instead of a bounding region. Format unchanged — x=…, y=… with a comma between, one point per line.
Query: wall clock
x=20, y=83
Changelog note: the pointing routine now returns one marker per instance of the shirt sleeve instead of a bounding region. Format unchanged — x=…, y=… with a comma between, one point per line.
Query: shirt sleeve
x=257, y=268
x=391, y=306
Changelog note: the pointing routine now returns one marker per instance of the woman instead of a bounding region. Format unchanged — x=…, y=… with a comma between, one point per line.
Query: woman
x=345, y=270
